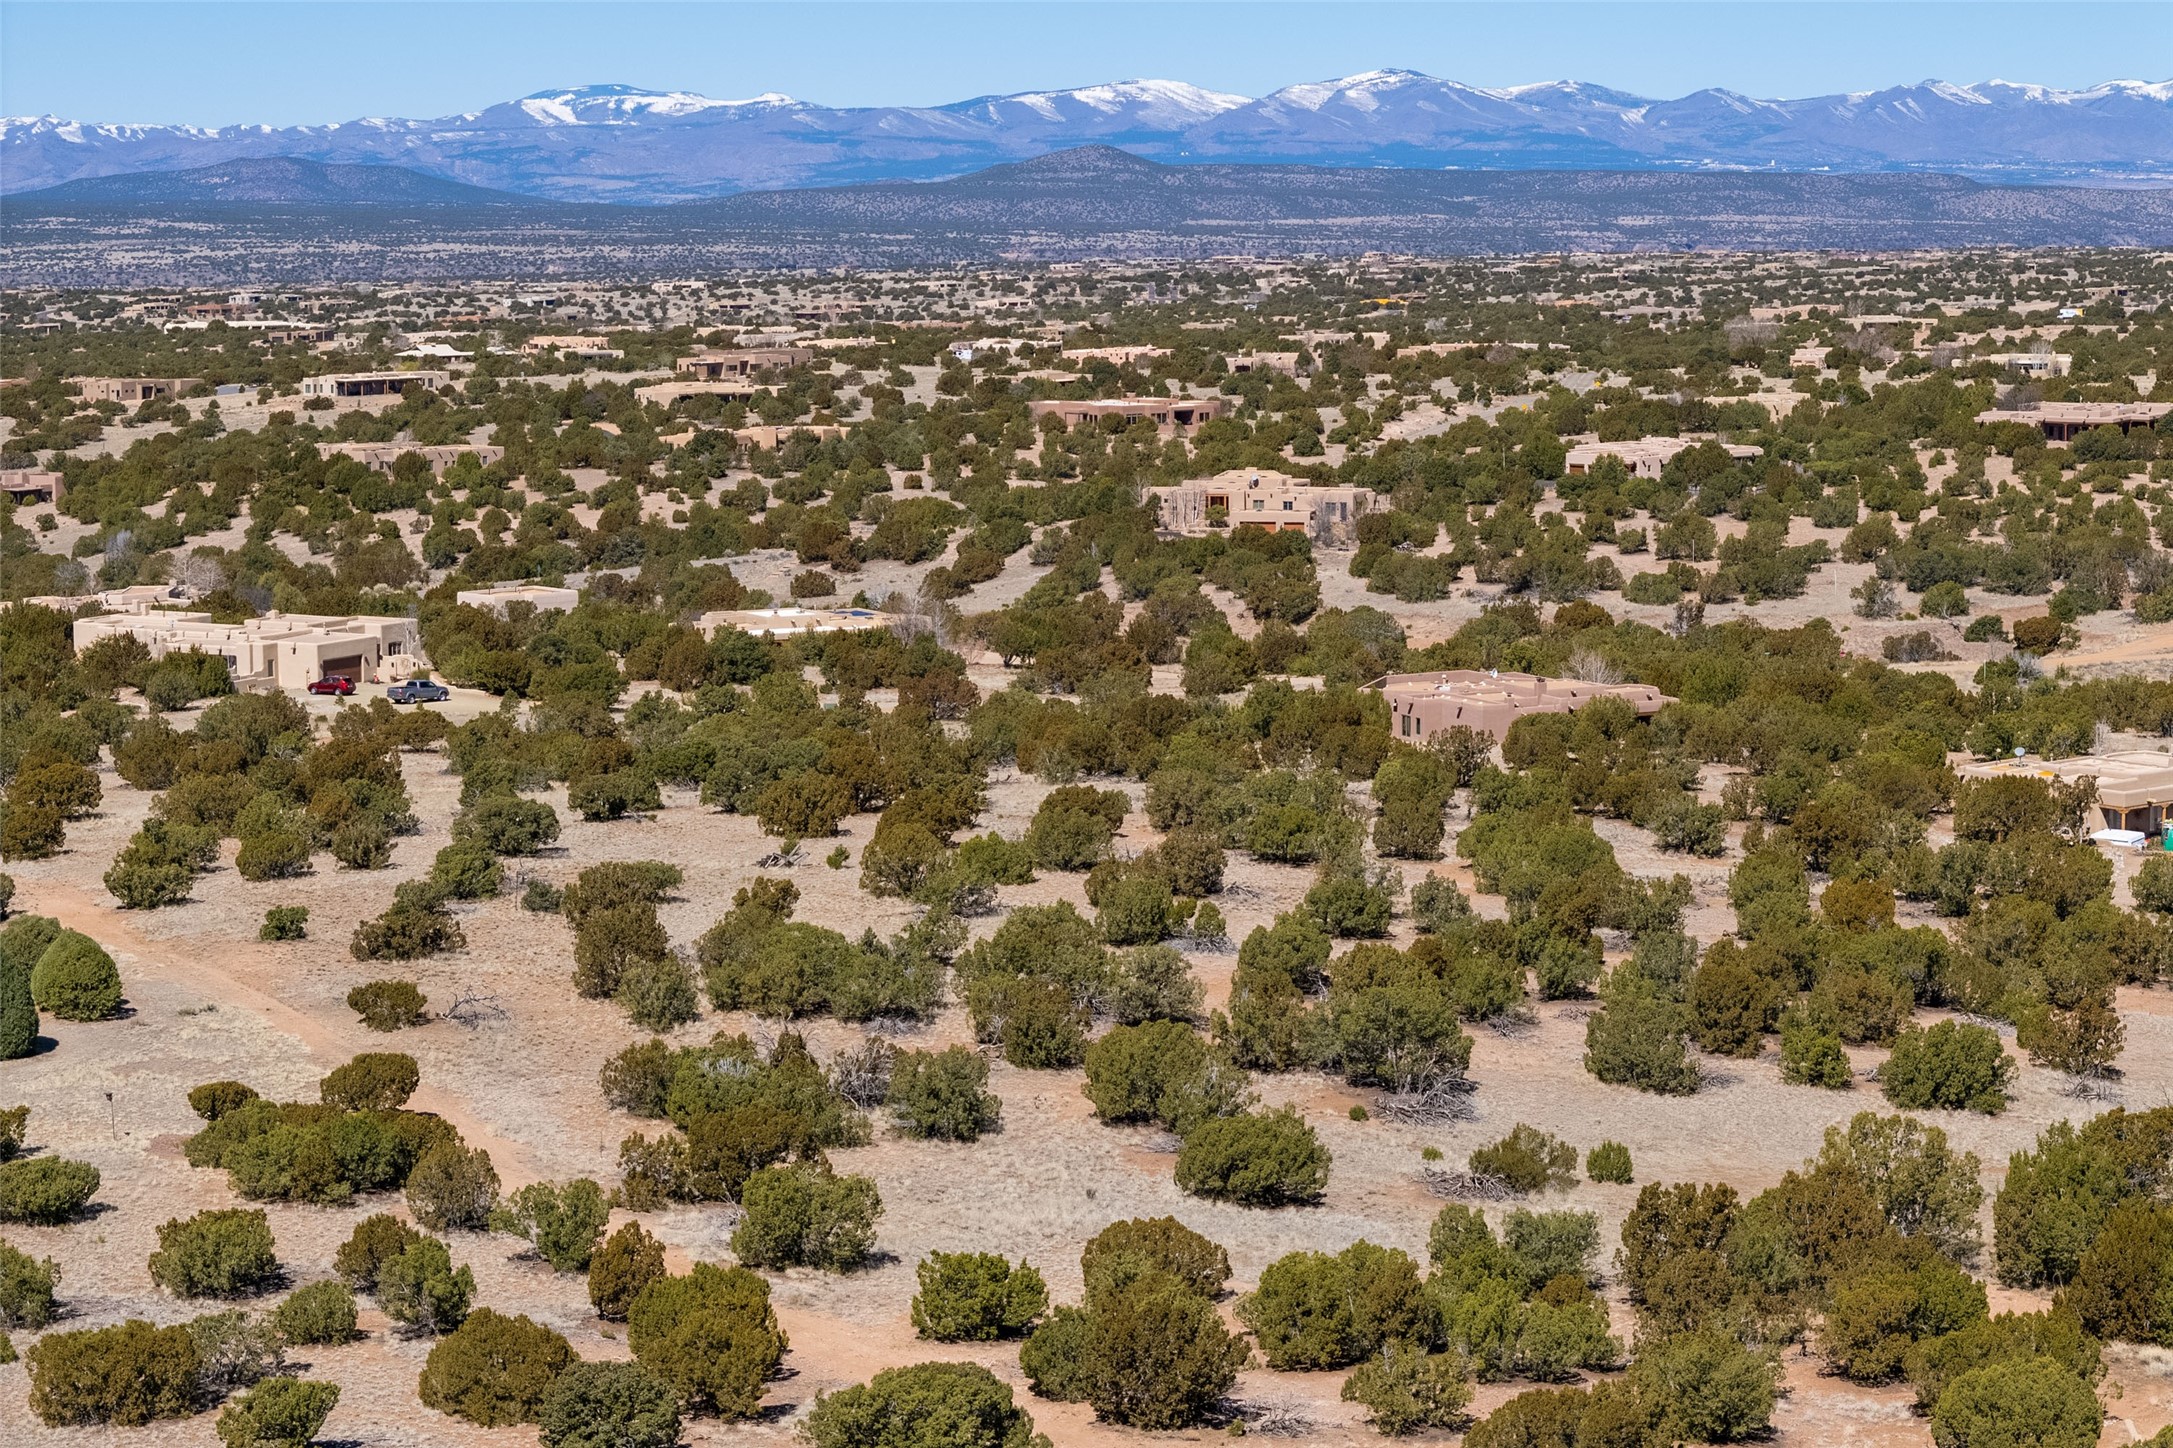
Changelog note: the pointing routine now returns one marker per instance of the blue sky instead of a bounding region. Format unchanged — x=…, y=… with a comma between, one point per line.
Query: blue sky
x=301, y=61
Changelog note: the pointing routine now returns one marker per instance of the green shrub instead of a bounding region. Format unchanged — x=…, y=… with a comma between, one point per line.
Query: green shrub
x=376, y=1240
x=942, y=1095
x=285, y=922
x=1547, y=1245
x=711, y=1334
x=1878, y=1313
x=658, y=993
x=1348, y=906
x=31, y=832
x=1951, y=1065
x=408, y=930
x=453, y=1188
x=373, y=1081
x=609, y=1405
x=1812, y=1055
x=1312, y=1310
x=1156, y=1358
x=1636, y=1039
x=2056, y=1335
x=976, y=1297
x=1407, y=1388
x=565, y=1223
x=420, y=1289
x=235, y=1350
x=215, y=1099
x=127, y=1375
x=1528, y=1160
x=957, y=1405
x=1608, y=1162
x=1438, y=905
x=18, y=1010
x=321, y=1313
x=388, y=1005
x=272, y=855
x=506, y=825
x=1161, y=1072
x=1608, y=1414
x=629, y=1260
x=466, y=871
x=494, y=1369
x=804, y=1215
x=1260, y=1159
x=14, y=1129
x=2026, y=1401
x=75, y=979
x=26, y=1289
x=216, y=1253
x=45, y=1190
x=362, y=843
x=1707, y=1387
x=278, y=1413
x=1123, y=1252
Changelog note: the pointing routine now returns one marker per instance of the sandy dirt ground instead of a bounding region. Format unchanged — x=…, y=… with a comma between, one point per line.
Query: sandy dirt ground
x=206, y=1001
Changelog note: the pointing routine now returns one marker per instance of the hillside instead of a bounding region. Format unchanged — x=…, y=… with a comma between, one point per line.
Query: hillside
x=267, y=181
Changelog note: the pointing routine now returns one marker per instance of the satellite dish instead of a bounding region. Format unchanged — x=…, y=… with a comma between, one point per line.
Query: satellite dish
x=2020, y=751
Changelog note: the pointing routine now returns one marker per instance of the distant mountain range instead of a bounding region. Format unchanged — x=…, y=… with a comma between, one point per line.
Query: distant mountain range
x=1089, y=203
x=270, y=181
x=621, y=144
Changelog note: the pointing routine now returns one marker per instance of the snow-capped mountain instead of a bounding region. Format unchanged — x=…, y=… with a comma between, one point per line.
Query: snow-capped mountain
x=622, y=143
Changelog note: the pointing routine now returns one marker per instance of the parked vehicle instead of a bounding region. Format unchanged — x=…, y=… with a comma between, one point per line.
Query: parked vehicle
x=332, y=684
x=419, y=691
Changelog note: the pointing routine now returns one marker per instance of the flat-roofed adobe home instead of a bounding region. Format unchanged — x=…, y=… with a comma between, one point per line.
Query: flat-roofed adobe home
x=2135, y=786
x=379, y=457
x=33, y=485
x=1171, y=416
x=1644, y=456
x=1420, y=705
x=1251, y=498
x=500, y=598
x=787, y=623
x=714, y=364
x=2064, y=421
x=371, y=384
x=133, y=391
x=279, y=650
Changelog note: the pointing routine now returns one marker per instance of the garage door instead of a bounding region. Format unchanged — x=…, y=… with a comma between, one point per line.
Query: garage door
x=349, y=665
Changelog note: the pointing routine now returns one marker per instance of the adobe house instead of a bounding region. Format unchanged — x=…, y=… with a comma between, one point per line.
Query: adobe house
x=1420, y=705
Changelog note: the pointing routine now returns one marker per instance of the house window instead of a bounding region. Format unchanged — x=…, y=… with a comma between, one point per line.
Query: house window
x=1288, y=505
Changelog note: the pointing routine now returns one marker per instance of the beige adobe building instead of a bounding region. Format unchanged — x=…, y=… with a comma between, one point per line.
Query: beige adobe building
x=1251, y=498
x=764, y=436
x=1121, y=356
x=379, y=457
x=1286, y=363
x=2135, y=787
x=664, y=394
x=279, y=650
x=33, y=485
x=135, y=390
x=2030, y=364
x=586, y=348
x=1420, y=705
x=136, y=598
x=372, y=384
x=1171, y=416
x=715, y=364
x=786, y=623
x=1644, y=456
x=2061, y=421
x=499, y=598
